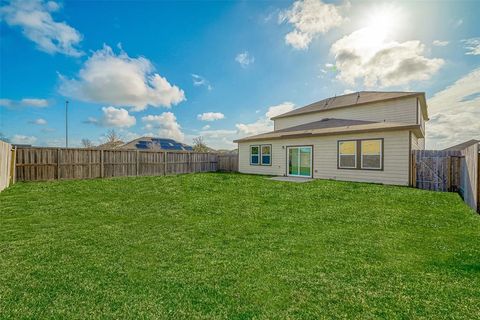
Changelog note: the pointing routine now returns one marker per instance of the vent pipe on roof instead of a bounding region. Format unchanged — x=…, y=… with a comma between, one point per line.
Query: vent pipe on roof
x=358, y=96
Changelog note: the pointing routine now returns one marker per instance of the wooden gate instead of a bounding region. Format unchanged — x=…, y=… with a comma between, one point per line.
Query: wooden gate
x=436, y=170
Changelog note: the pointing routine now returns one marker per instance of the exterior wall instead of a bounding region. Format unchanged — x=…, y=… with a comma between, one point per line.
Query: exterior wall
x=396, y=158
x=417, y=143
x=420, y=118
x=399, y=110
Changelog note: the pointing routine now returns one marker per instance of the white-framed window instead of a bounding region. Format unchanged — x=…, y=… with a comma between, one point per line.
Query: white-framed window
x=266, y=152
x=347, y=154
x=371, y=154
x=254, y=155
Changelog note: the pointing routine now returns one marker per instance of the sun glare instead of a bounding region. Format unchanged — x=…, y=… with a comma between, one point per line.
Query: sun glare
x=383, y=24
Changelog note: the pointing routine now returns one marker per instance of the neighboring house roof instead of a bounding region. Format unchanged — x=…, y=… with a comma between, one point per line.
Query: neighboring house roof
x=462, y=145
x=354, y=99
x=111, y=145
x=332, y=126
x=151, y=143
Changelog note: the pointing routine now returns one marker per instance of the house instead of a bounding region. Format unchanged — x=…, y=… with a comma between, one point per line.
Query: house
x=117, y=144
x=157, y=144
x=363, y=136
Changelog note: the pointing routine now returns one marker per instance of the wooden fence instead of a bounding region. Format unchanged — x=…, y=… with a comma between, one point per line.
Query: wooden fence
x=35, y=164
x=454, y=171
x=227, y=162
x=7, y=158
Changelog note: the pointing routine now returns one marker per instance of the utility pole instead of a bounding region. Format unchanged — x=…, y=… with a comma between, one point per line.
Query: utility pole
x=66, y=124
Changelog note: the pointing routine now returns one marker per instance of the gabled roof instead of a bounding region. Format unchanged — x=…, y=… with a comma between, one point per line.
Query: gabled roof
x=325, y=123
x=463, y=145
x=331, y=127
x=354, y=99
x=111, y=145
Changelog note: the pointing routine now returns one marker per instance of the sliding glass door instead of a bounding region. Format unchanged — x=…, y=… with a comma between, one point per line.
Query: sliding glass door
x=299, y=161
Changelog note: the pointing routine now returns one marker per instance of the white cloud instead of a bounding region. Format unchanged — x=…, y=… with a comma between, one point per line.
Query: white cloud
x=440, y=43
x=35, y=19
x=164, y=125
x=39, y=121
x=472, y=46
x=210, y=116
x=121, y=81
x=26, y=102
x=219, y=139
x=244, y=59
x=201, y=81
x=309, y=19
x=455, y=113
x=274, y=111
x=32, y=102
x=366, y=54
x=458, y=23
x=116, y=117
x=264, y=124
x=206, y=127
x=22, y=139
x=223, y=138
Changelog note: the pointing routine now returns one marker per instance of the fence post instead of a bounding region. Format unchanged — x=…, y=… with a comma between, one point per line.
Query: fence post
x=58, y=163
x=101, y=164
x=136, y=168
x=165, y=163
x=13, y=166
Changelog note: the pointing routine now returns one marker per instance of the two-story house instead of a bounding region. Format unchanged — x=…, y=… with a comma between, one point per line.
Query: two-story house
x=363, y=136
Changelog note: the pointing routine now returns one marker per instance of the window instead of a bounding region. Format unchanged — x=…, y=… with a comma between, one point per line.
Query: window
x=371, y=154
x=261, y=155
x=266, y=155
x=347, y=154
x=254, y=154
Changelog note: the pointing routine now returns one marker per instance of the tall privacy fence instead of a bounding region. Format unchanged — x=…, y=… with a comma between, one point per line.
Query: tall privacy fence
x=454, y=171
x=7, y=165
x=37, y=164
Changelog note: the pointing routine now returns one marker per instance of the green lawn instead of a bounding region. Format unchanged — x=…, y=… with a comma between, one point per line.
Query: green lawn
x=235, y=246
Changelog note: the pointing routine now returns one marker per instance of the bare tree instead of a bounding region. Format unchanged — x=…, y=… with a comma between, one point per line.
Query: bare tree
x=113, y=136
x=86, y=143
x=199, y=145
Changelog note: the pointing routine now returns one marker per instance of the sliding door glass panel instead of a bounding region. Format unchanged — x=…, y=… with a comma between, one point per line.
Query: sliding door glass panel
x=305, y=161
x=293, y=161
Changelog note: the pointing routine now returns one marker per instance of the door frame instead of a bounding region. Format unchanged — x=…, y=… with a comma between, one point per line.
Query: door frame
x=311, y=160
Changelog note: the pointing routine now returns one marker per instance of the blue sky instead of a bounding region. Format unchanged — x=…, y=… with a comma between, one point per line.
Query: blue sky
x=221, y=69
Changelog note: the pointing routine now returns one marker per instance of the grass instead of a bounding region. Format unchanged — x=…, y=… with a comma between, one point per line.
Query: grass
x=235, y=246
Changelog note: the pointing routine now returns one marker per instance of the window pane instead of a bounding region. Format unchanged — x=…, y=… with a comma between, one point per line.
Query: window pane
x=266, y=150
x=265, y=159
x=371, y=161
x=255, y=159
x=371, y=146
x=347, y=161
x=254, y=150
x=347, y=147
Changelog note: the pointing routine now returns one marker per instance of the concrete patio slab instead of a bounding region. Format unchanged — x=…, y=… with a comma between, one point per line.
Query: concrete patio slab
x=292, y=179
